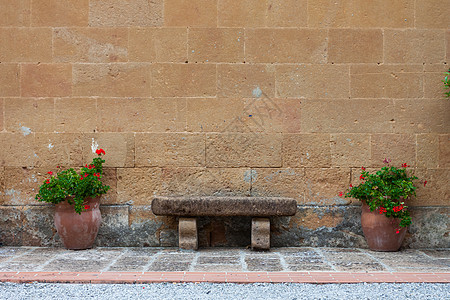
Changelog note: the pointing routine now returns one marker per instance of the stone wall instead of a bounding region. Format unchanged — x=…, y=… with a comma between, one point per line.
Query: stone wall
x=224, y=97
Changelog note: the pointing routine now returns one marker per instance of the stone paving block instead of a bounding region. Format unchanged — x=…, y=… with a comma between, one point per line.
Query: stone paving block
x=10, y=80
x=22, y=44
x=15, y=13
x=190, y=13
x=439, y=253
x=218, y=260
x=119, y=148
x=216, y=45
x=282, y=45
x=46, y=80
x=432, y=14
x=24, y=115
x=129, y=264
x=117, y=13
x=263, y=263
x=57, y=13
x=74, y=115
x=158, y=44
x=93, y=45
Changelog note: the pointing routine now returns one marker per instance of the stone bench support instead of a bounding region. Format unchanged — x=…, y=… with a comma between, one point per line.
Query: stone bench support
x=188, y=208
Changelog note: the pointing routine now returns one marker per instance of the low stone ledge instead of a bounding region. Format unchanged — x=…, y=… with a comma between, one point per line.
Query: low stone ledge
x=224, y=206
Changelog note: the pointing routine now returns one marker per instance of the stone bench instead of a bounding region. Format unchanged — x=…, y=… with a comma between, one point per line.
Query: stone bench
x=259, y=208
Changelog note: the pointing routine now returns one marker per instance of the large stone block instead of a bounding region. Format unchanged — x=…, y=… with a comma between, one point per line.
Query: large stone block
x=243, y=150
x=59, y=13
x=285, y=45
x=9, y=80
x=243, y=80
x=312, y=81
x=433, y=76
x=25, y=44
x=414, y=46
x=187, y=233
x=400, y=148
x=350, y=150
x=114, y=230
x=355, y=46
x=435, y=192
x=432, y=14
x=58, y=149
x=112, y=80
x=119, y=148
x=444, y=151
x=421, y=116
x=39, y=227
x=343, y=116
x=11, y=220
x=145, y=227
x=427, y=150
x=205, y=181
x=306, y=150
x=216, y=45
x=15, y=13
x=110, y=178
x=323, y=186
x=22, y=184
x=386, y=81
x=197, y=80
x=26, y=115
x=141, y=114
x=18, y=150
x=170, y=149
x=1, y=115
x=190, y=13
x=46, y=80
x=278, y=182
x=260, y=233
x=262, y=13
x=117, y=13
x=429, y=228
x=75, y=114
x=137, y=186
x=93, y=45
x=355, y=13
x=158, y=44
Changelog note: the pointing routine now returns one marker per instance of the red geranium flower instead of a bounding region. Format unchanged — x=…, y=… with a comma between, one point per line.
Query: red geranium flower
x=87, y=206
x=405, y=165
x=47, y=182
x=362, y=168
x=50, y=172
x=100, y=151
x=341, y=194
x=425, y=183
x=361, y=177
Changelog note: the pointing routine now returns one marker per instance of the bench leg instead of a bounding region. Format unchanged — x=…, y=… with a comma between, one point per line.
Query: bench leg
x=187, y=233
x=260, y=233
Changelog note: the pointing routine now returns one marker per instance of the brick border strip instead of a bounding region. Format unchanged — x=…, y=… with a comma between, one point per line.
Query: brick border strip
x=222, y=277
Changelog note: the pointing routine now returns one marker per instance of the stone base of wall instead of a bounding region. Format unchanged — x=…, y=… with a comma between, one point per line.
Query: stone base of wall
x=136, y=226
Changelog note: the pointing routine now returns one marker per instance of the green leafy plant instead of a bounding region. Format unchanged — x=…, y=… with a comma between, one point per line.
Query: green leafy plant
x=74, y=187
x=385, y=191
x=446, y=82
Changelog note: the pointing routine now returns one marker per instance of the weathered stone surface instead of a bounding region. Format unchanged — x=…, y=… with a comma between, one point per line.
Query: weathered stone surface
x=223, y=206
x=73, y=115
x=262, y=13
x=1, y=118
x=349, y=261
x=224, y=231
x=137, y=186
x=267, y=262
x=46, y=80
x=112, y=80
x=312, y=81
x=117, y=13
x=25, y=44
x=243, y=80
x=38, y=226
x=205, y=181
x=435, y=192
x=114, y=226
x=278, y=182
x=170, y=149
x=404, y=150
x=216, y=45
x=354, y=13
x=260, y=233
x=433, y=76
x=427, y=150
x=95, y=45
x=190, y=13
x=142, y=114
x=57, y=13
x=15, y=13
x=119, y=148
x=187, y=233
x=282, y=45
x=58, y=149
x=11, y=220
x=26, y=115
x=324, y=184
x=9, y=80
x=21, y=185
x=432, y=14
x=199, y=80
x=444, y=151
x=414, y=46
x=2, y=185
x=350, y=150
x=306, y=150
x=157, y=44
x=343, y=116
x=110, y=178
x=10, y=142
x=429, y=228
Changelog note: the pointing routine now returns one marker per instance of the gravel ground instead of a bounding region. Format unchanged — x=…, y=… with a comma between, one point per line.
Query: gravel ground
x=288, y=291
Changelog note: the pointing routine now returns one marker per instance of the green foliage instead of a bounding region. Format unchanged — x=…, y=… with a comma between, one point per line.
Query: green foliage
x=446, y=82
x=385, y=191
x=73, y=187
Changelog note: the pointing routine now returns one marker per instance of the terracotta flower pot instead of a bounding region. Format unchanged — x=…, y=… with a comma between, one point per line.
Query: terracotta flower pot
x=381, y=231
x=77, y=231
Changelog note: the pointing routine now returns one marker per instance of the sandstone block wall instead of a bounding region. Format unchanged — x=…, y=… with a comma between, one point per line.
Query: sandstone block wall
x=224, y=97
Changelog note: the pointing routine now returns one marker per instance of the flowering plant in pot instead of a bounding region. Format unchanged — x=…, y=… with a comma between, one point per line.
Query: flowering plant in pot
x=76, y=196
x=385, y=215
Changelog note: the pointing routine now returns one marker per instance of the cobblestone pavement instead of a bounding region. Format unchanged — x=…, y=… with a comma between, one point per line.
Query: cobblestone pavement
x=35, y=259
